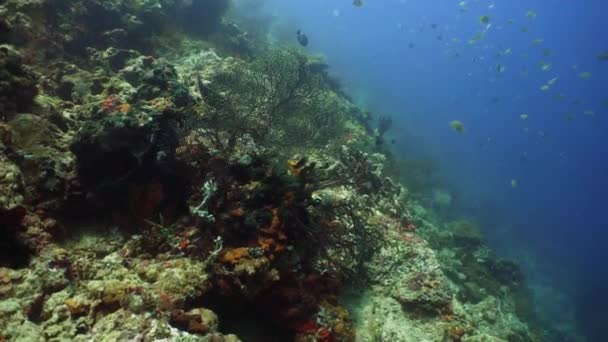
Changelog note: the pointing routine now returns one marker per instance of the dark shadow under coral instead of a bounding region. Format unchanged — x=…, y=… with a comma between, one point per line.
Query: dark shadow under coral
x=13, y=253
x=243, y=319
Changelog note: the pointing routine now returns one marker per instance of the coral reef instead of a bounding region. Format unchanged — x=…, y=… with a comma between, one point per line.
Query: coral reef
x=165, y=176
x=18, y=86
x=277, y=100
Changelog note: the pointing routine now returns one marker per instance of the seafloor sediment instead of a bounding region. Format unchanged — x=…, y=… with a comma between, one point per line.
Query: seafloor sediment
x=166, y=174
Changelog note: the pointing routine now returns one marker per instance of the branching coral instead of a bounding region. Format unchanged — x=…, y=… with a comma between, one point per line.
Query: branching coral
x=346, y=166
x=209, y=188
x=219, y=246
x=275, y=99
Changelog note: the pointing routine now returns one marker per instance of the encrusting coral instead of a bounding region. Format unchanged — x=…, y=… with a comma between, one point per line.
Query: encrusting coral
x=151, y=176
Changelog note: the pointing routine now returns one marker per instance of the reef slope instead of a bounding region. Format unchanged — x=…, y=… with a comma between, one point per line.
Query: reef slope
x=164, y=175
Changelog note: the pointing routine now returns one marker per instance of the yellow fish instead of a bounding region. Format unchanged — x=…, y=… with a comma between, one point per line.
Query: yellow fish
x=457, y=126
x=585, y=75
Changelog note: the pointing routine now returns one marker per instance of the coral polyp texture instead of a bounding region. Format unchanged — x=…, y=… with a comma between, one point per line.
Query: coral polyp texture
x=165, y=176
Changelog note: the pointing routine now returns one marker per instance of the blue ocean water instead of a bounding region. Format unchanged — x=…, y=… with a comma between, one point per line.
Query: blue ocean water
x=531, y=166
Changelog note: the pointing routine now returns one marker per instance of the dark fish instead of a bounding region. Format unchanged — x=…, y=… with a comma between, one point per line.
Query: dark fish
x=439, y=37
x=433, y=26
x=410, y=45
x=358, y=3
x=302, y=38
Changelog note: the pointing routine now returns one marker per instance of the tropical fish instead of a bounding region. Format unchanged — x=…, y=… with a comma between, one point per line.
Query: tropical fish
x=524, y=116
x=603, y=56
x=514, y=183
x=358, y=3
x=457, y=126
x=552, y=81
x=484, y=19
x=537, y=41
x=589, y=113
x=302, y=38
x=585, y=75
x=545, y=87
x=544, y=66
x=531, y=15
x=500, y=68
x=478, y=36
x=546, y=52
x=504, y=53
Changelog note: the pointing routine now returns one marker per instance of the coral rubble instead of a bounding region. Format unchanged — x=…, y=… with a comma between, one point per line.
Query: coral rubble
x=164, y=180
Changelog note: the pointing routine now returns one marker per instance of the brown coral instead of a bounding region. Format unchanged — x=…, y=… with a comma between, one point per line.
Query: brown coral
x=196, y=321
x=188, y=322
x=235, y=255
x=455, y=333
x=5, y=282
x=77, y=307
x=272, y=239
